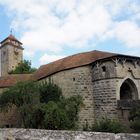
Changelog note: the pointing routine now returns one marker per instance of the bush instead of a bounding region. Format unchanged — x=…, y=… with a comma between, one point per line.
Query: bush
x=55, y=117
x=134, y=119
x=49, y=92
x=42, y=106
x=106, y=125
x=20, y=94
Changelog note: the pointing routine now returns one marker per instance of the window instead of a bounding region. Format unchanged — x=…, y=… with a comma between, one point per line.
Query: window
x=103, y=68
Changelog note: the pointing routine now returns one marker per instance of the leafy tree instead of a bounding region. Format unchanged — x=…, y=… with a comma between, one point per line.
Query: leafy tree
x=49, y=92
x=23, y=67
x=37, y=111
x=20, y=94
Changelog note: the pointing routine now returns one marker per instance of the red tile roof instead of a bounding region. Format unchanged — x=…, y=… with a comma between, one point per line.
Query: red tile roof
x=69, y=62
x=10, y=80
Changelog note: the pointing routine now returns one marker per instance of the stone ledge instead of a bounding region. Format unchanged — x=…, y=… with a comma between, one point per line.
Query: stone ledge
x=128, y=104
x=40, y=134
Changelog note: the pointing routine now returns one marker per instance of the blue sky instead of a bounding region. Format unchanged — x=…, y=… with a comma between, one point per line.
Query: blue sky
x=53, y=29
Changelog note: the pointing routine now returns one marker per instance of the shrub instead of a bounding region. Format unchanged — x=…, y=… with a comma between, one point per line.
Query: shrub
x=107, y=125
x=49, y=92
x=42, y=106
x=20, y=94
x=55, y=117
x=134, y=119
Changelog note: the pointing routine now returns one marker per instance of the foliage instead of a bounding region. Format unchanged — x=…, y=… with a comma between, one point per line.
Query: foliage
x=135, y=119
x=106, y=125
x=23, y=67
x=55, y=117
x=37, y=111
x=72, y=106
x=20, y=94
x=32, y=115
x=49, y=92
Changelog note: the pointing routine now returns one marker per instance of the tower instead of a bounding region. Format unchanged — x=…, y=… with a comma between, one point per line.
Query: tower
x=11, y=53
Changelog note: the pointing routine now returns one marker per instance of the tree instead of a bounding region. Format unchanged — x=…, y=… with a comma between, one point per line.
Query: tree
x=23, y=67
x=37, y=111
x=49, y=92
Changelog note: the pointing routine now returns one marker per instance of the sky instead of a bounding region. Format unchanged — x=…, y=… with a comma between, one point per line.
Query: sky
x=53, y=29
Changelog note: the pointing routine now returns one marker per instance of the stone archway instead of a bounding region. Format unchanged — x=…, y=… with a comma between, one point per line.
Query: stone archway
x=128, y=90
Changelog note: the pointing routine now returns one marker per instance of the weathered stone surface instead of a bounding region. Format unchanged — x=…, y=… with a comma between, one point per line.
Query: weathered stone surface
x=37, y=134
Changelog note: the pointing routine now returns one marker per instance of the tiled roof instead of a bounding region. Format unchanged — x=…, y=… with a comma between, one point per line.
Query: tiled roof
x=10, y=80
x=69, y=62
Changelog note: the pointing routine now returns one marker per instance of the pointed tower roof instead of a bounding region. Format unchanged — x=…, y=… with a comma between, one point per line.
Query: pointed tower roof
x=12, y=38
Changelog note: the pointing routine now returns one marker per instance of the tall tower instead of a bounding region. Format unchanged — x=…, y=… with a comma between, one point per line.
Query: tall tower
x=11, y=53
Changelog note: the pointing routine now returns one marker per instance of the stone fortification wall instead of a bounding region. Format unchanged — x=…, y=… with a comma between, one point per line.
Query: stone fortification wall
x=77, y=81
x=36, y=134
x=108, y=77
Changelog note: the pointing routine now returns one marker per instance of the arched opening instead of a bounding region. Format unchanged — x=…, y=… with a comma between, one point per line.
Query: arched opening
x=128, y=90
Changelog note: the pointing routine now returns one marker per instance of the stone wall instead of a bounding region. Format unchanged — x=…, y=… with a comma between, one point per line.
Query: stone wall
x=37, y=134
x=108, y=77
x=10, y=117
x=104, y=95
x=78, y=81
x=9, y=59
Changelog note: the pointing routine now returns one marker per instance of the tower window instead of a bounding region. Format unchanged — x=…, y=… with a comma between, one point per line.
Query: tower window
x=103, y=68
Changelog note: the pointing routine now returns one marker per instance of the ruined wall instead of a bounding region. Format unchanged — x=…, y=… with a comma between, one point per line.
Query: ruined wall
x=78, y=81
x=37, y=134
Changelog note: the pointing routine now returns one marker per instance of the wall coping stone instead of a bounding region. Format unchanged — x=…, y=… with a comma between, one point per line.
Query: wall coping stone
x=40, y=134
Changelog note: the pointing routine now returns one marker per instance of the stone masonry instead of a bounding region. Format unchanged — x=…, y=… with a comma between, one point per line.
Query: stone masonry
x=103, y=80
x=77, y=81
x=37, y=134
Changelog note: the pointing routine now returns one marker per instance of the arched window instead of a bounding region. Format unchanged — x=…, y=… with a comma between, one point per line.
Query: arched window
x=128, y=90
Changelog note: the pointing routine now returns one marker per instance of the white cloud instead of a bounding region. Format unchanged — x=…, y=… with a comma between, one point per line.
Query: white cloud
x=129, y=33
x=50, y=25
x=49, y=58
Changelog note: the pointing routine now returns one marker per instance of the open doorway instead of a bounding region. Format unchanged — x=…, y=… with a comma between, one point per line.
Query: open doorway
x=128, y=90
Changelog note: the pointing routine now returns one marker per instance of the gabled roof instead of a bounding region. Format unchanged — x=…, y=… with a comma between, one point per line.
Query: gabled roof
x=69, y=62
x=10, y=80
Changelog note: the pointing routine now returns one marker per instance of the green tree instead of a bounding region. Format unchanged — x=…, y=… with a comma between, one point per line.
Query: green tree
x=37, y=111
x=23, y=67
x=20, y=94
x=49, y=92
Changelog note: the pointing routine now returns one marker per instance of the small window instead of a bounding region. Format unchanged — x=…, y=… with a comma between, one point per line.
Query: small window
x=104, y=69
x=73, y=78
